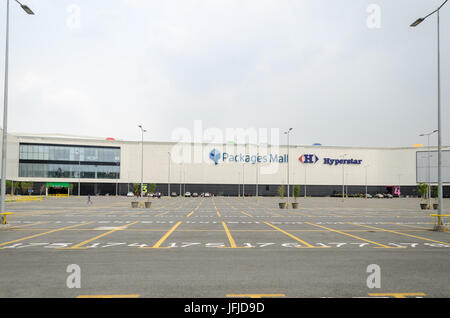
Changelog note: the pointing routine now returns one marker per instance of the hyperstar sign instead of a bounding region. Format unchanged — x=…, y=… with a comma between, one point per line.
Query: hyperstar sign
x=312, y=159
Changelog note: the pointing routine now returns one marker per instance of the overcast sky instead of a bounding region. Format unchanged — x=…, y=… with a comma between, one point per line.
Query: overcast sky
x=312, y=65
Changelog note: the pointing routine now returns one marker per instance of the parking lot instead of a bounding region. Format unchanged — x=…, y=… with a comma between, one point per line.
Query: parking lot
x=223, y=247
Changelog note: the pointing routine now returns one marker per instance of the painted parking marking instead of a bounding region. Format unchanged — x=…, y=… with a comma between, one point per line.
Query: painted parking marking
x=165, y=236
x=290, y=235
x=45, y=233
x=275, y=214
x=80, y=245
x=110, y=296
x=187, y=244
x=255, y=295
x=36, y=223
x=400, y=233
x=354, y=236
x=230, y=237
x=247, y=214
x=397, y=295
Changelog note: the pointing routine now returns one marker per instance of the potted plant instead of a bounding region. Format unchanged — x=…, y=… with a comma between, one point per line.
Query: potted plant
x=434, y=194
x=296, y=195
x=281, y=195
x=137, y=192
x=422, y=189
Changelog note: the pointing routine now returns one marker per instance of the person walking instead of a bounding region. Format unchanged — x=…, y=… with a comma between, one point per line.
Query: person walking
x=89, y=199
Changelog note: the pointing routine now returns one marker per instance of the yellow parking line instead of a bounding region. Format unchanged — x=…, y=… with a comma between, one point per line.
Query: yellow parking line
x=247, y=214
x=48, y=232
x=218, y=214
x=230, y=238
x=165, y=236
x=192, y=212
x=414, y=227
x=109, y=296
x=400, y=233
x=20, y=226
x=162, y=213
x=255, y=295
x=290, y=235
x=354, y=236
x=79, y=245
x=397, y=295
x=276, y=214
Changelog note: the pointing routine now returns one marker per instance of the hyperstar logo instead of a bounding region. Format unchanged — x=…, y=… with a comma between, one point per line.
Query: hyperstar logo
x=214, y=155
x=308, y=158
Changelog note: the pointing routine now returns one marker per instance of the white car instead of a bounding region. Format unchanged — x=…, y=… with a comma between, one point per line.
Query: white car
x=187, y=194
x=379, y=195
x=207, y=194
x=130, y=194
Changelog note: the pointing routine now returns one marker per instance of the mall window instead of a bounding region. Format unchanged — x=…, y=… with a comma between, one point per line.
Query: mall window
x=64, y=161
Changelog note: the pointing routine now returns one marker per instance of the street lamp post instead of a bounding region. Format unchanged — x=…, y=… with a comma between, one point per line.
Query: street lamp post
x=429, y=165
x=414, y=24
x=79, y=171
x=142, y=160
x=287, y=133
x=5, y=108
x=168, y=177
x=365, y=167
x=305, y=179
x=343, y=179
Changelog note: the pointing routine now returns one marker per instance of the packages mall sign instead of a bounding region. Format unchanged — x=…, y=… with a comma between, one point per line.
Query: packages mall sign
x=312, y=159
x=216, y=156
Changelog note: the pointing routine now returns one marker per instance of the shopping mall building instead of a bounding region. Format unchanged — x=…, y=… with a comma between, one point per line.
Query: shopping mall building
x=57, y=163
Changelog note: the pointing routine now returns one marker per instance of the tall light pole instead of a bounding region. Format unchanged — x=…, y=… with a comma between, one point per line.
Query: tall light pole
x=79, y=171
x=181, y=179
x=343, y=179
x=414, y=24
x=287, y=133
x=305, y=180
x=365, y=167
x=257, y=170
x=168, y=177
x=5, y=108
x=142, y=160
x=429, y=165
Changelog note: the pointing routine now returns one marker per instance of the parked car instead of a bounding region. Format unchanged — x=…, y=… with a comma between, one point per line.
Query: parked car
x=388, y=195
x=195, y=195
x=369, y=196
x=207, y=194
x=379, y=195
x=187, y=194
x=173, y=194
x=130, y=194
x=150, y=195
x=157, y=195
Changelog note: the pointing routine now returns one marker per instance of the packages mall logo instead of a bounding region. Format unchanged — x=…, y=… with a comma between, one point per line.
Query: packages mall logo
x=214, y=155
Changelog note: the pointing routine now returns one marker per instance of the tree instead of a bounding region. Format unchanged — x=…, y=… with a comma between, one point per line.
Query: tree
x=296, y=192
x=42, y=189
x=281, y=192
x=152, y=187
x=25, y=186
x=434, y=191
x=137, y=188
x=422, y=188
